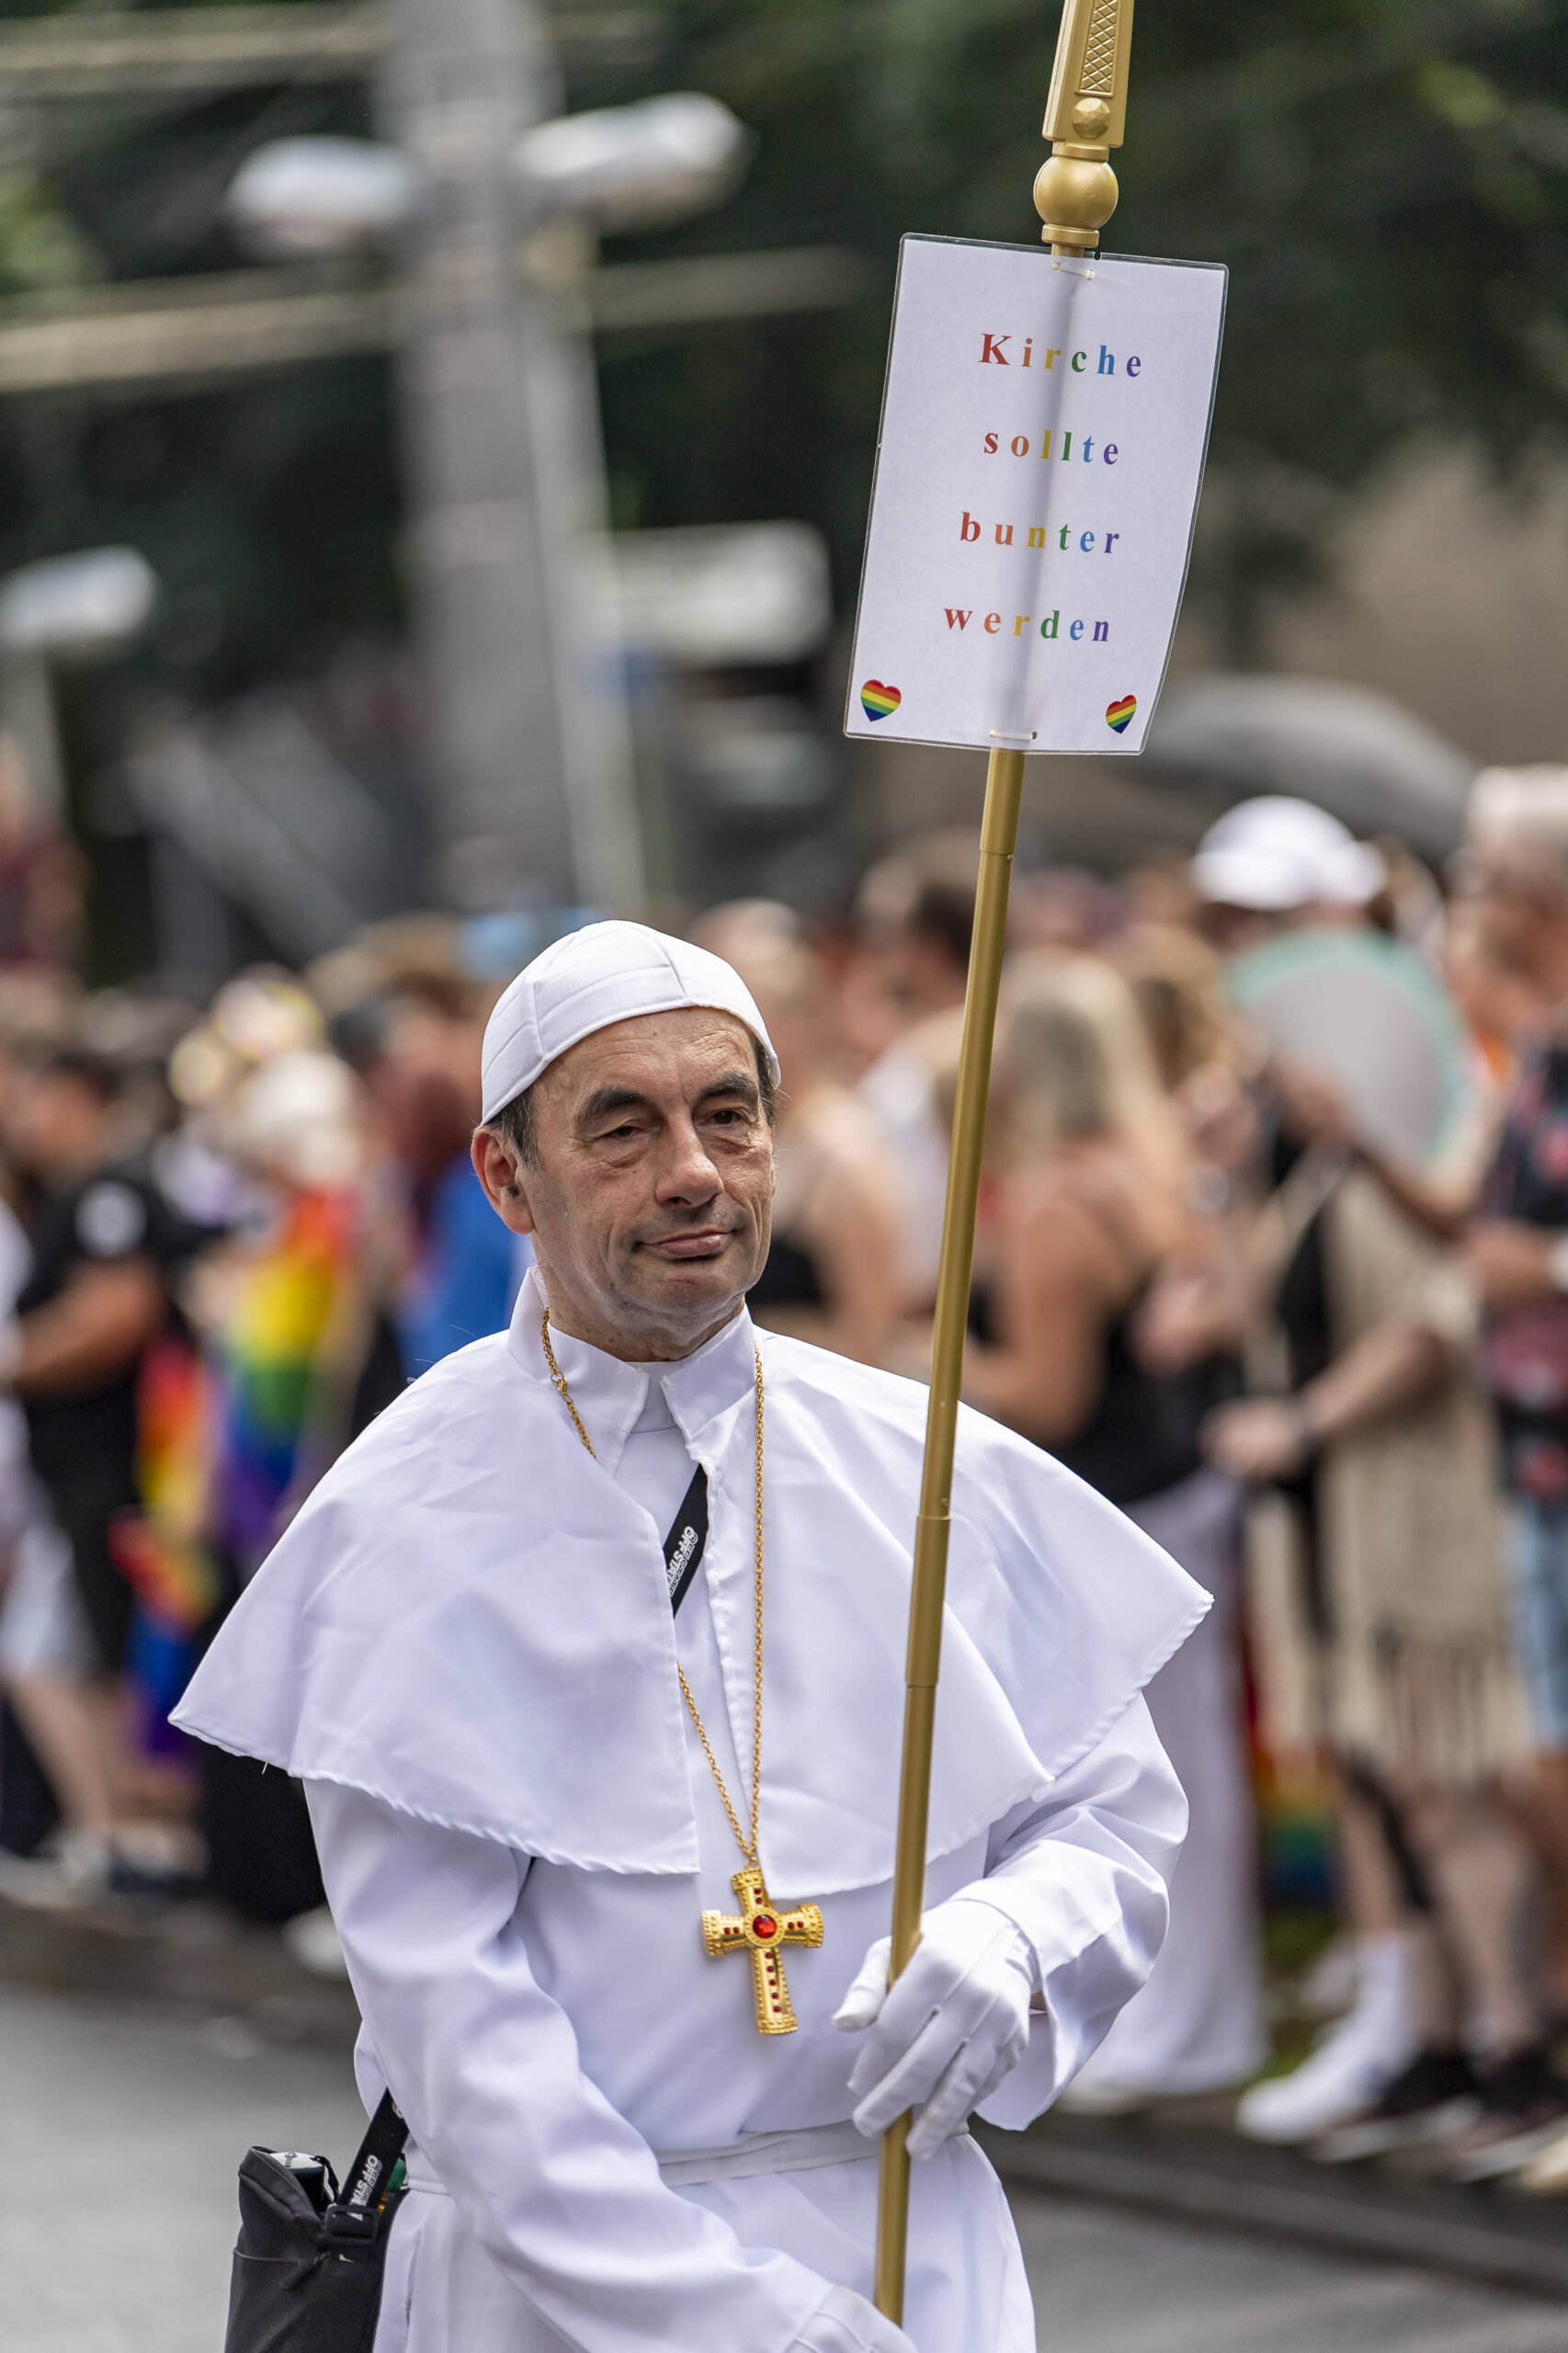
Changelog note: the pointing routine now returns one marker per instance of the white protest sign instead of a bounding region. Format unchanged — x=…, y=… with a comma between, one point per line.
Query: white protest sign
x=1042, y=442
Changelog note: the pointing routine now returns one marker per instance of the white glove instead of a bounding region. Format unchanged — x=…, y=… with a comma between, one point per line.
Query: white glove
x=846, y=2323
x=951, y=2028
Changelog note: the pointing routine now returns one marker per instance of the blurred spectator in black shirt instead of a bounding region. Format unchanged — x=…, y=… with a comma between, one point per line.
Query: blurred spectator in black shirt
x=102, y=1241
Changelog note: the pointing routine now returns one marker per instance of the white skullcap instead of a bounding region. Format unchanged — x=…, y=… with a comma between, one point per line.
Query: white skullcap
x=1275, y=853
x=604, y=973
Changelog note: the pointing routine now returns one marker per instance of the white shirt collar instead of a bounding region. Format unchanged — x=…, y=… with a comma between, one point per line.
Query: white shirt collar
x=611, y=1394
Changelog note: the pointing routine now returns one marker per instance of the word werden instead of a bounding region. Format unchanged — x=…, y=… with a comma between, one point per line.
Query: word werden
x=1050, y=628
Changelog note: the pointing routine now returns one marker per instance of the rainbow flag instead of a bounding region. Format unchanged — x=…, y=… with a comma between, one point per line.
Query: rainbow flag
x=162, y=1549
x=221, y=1445
x=272, y=1364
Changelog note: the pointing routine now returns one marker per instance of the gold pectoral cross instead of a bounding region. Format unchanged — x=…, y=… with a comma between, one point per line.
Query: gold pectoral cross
x=761, y=1928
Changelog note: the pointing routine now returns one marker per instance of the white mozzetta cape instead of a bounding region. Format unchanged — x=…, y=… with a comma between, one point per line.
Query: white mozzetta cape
x=470, y=1620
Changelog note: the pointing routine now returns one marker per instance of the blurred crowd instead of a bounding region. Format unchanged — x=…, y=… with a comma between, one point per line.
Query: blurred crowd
x=1272, y=1251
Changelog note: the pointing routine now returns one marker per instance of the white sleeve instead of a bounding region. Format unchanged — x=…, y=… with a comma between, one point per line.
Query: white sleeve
x=565, y=2197
x=1086, y=1874
x=848, y=2323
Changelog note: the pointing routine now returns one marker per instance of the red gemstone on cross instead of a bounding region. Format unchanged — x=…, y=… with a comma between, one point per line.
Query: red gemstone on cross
x=765, y=1925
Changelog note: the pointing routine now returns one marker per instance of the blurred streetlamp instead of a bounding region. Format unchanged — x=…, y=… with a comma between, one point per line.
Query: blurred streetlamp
x=635, y=167
x=65, y=609
x=531, y=746
x=304, y=198
x=618, y=167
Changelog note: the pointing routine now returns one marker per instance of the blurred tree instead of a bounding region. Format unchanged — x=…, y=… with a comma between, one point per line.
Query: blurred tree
x=266, y=504
x=42, y=250
x=1386, y=179
x=270, y=498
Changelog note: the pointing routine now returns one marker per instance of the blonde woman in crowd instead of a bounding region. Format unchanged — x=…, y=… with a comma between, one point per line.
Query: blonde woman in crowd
x=832, y=1273
x=1086, y=1214
x=900, y=1002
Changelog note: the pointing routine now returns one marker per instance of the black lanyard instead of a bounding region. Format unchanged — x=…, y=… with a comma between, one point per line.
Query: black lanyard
x=688, y=1538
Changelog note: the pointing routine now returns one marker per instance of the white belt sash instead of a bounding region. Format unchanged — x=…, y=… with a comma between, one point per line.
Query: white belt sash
x=753, y=2153
x=800, y=2152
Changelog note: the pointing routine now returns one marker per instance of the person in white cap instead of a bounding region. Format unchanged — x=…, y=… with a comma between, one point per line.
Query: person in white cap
x=1274, y=860
x=607, y=1817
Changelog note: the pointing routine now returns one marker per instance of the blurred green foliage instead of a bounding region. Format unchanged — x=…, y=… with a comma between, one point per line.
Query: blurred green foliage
x=267, y=503
x=1386, y=179
x=42, y=248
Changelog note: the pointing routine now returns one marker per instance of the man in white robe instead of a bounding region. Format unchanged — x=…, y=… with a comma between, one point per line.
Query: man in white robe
x=465, y=1648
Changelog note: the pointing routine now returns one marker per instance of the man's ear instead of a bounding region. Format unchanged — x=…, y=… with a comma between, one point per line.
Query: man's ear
x=496, y=1165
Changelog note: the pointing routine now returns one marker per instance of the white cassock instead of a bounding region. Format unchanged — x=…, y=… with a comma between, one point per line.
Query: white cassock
x=464, y=1646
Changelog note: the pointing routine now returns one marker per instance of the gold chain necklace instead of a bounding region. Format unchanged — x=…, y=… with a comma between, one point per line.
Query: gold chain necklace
x=761, y=1926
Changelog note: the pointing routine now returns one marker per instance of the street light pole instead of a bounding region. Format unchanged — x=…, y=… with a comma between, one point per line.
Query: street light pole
x=531, y=758
x=83, y=608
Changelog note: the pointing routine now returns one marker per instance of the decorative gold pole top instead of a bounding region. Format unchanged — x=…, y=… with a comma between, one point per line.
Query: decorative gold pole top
x=1076, y=190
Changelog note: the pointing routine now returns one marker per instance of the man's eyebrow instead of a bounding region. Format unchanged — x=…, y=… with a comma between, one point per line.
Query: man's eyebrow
x=738, y=1080
x=605, y=1099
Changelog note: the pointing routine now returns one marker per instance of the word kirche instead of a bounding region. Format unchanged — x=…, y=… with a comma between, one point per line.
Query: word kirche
x=992, y=355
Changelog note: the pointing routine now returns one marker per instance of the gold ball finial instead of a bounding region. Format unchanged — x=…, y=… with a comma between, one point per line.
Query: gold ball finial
x=1075, y=197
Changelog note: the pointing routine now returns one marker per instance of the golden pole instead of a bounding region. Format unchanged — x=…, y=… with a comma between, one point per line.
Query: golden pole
x=999, y=832
x=1075, y=195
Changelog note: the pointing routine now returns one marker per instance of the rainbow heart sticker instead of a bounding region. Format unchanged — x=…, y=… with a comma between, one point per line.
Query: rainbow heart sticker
x=1120, y=715
x=878, y=701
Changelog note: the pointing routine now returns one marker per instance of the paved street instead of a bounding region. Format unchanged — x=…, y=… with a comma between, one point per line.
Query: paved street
x=1110, y=2283
x=122, y=2128
x=119, y=2134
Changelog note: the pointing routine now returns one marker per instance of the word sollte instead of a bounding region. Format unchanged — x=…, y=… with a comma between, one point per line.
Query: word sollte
x=1019, y=446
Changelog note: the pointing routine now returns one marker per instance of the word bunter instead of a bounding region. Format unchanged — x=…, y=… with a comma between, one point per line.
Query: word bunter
x=969, y=529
